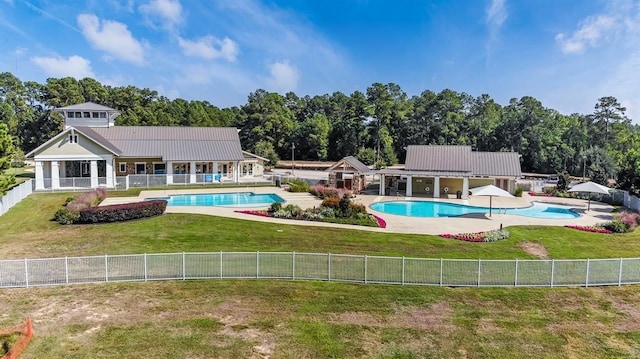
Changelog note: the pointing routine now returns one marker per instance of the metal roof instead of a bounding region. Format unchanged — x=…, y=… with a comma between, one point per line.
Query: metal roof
x=496, y=164
x=457, y=161
x=87, y=106
x=89, y=132
x=349, y=162
x=438, y=158
x=173, y=143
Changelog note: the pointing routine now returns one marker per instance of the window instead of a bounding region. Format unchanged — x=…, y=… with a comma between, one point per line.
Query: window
x=70, y=114
x=87, y=115
x=159, y=168
x=85, y=168
x=94, y=115
x=103, y=115
x=123, y=167
x=141, y=168
x=73, y=138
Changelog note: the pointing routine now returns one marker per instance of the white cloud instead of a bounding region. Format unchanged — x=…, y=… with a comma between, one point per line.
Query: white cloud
x=74, y=66
x=19, y=51
x=205, y=47
x=284, y=76
x=112, y=37
x=496, y=14
x=590, y=33
x=169, y=12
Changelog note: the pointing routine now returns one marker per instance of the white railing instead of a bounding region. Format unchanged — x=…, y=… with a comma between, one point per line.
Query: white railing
x=15, y=195
x=319, y=266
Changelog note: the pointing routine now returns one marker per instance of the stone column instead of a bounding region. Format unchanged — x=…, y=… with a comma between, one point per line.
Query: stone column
x=409, y=190
x=436, y=187
x=94, y=173
x=465, y=187
x=55, y=174
x=192, y=172
x=39, y=176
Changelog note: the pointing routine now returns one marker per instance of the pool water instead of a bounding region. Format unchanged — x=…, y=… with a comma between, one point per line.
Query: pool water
x=445, y=209
x=236, y=199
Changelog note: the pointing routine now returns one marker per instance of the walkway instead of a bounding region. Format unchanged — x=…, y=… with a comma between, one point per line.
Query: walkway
x=599, y=212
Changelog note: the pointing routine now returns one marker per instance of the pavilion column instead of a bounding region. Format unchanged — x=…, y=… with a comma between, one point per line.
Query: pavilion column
x=110, y=173
x=409, y=190
x=382, y=181
x=436, y=187
x=236, y=172
x=39, y=176
x=169, y=172
x=55, y=174
x=465, y=187
x=192, y=172
x=94, y=173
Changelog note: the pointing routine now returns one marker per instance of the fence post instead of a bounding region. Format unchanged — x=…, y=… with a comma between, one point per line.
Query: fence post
x=329, y=268
x=106, y=269
x=145, y=267
x=293, y=265
x=26, y=272
x=515, y=280
x=184, y=267
x=586, y=284
x=365, y=269
x=441, y=267
x=620, y=274
x=66, y=269
x=257, y=264
x=220, y=264
x=403, y=270
x=553, y=268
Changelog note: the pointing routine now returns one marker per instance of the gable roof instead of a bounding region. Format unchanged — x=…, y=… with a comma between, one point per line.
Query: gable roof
x=349, y=162
x=459, y=161
x=86, y=132
x=248, y=154
x=438, y=158
x=87, y=106
x=173, y=143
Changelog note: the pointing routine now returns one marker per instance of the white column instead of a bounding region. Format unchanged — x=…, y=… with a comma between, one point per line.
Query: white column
x=236, y=172
x=192, y=172
x=55, y=174
x=436, y=187
x=409, y=191
x=94, y=173
x=465, y=187
x=39, y=176
x=381, y=190
x=110, y=173
x=169, y=172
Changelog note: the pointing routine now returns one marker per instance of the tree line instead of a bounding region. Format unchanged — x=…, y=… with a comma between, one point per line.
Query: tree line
x=376, y=125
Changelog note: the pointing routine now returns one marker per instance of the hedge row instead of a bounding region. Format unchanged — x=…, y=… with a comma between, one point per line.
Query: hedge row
x=122, y=212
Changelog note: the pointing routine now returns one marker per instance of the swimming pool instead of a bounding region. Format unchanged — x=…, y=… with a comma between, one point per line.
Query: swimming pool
x=445, y=209
x=235, y=199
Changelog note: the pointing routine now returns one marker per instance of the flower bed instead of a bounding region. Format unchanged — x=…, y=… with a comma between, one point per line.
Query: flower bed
x=489, y=236
x=593, y=229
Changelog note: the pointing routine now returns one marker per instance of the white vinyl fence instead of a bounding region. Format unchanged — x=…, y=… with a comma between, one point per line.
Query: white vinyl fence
x=15, y=195
x=316, y=266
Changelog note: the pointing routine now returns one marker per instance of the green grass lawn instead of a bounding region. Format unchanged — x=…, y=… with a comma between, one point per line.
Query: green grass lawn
x=297, y=319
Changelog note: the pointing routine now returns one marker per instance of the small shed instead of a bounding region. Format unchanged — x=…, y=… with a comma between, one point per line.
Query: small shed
x=348, y=173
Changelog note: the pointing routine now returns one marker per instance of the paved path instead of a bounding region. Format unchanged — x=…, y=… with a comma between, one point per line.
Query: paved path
x=598, y=213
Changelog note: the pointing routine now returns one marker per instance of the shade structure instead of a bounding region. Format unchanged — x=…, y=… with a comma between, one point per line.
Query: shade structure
x=491, y=191
x=590, y=187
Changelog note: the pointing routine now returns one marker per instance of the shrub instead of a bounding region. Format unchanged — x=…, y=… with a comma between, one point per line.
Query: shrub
x=519, y=191
x=66, y=216
x=617, y=226
x=322, y=192
x=275, y=207
x=357, y=208
x=298, y=186
x=628, y=218
x=122, y=212
x=331, y=202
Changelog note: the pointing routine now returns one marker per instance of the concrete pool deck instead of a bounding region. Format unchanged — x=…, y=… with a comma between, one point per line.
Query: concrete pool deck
x=599, y=212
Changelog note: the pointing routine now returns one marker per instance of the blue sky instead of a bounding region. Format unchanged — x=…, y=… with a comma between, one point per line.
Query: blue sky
x=566, y=53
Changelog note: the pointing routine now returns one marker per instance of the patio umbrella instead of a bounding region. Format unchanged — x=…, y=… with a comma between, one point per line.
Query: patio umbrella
x=590, y=187
x=491, y=191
